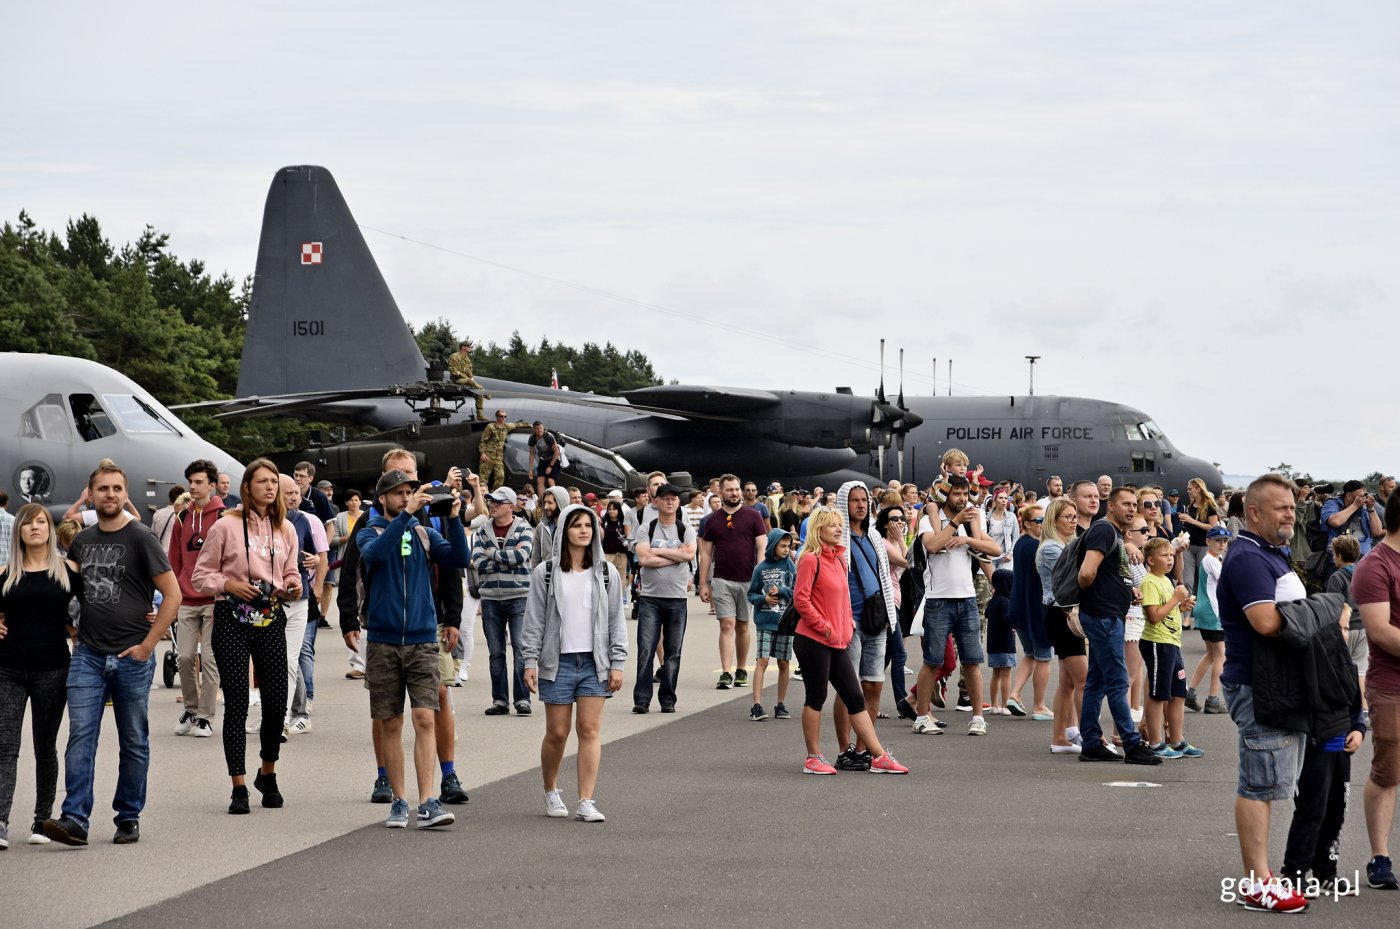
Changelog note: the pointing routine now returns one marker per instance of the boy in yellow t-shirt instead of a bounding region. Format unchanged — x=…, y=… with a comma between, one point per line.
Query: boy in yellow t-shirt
x=1161, y=653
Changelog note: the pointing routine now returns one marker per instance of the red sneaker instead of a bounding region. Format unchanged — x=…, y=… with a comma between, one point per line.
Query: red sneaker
x=886, y=764
x=816, y=764
x=1275, y=896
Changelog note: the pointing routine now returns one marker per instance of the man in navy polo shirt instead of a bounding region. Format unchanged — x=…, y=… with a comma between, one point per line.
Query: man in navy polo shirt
x=1256, y=577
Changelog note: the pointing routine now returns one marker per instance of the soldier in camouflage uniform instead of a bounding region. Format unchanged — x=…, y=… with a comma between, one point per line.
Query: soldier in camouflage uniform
x=493, y=450
x=460, y=365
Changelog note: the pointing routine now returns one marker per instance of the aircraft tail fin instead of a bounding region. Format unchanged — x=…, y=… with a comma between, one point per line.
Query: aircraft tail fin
x=321, y=316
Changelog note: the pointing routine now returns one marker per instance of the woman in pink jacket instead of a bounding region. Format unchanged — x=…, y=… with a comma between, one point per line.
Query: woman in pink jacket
x=823, y=600
x=249, y=564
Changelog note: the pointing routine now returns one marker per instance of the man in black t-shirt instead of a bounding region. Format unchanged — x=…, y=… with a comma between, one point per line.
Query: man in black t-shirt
x=122, y=566
x=1106, y=592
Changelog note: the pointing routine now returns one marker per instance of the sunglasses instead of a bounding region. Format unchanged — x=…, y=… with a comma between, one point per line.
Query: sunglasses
x=1143, y=529
x=1150, y=504
x=1038, y=520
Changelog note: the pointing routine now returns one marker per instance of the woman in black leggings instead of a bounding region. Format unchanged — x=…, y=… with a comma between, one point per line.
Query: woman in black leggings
x=35, y=588
x=823, y=599
x=249, y=560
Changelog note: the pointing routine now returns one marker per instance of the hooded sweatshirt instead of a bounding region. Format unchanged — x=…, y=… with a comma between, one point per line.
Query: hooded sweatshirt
x=186, y=539
x=400, y=608
x=771, y=572
x=1000, y=639
x=539, y=637
x=823, y=598
x=861, y=560
x=544, y=532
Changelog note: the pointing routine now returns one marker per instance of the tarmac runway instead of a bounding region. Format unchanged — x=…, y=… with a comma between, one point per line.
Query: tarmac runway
x=709, y=821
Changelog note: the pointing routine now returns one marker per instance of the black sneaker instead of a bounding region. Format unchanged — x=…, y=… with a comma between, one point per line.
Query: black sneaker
x=781, y=712
x=67, y=832
x=1140, y=753
x=1101, y=753
x=964, y=703
x=382, y=793
x=741, y=678
x=668, y=708
x=266, y=785
x=639, y=709
x=128, y=832
x=497, y=709
x=452, y=790
x=726, y=680
x=522, y=708
x=238, y=803
x=756, y=714
x=852, y=760
x=940, y=694
x=1380, y=875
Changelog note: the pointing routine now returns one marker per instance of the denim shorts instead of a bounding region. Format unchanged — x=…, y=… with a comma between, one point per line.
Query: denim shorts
x=1270, y=759
x=1001, y=660
x=960, y=617
x=577, y=677
x=867, y=654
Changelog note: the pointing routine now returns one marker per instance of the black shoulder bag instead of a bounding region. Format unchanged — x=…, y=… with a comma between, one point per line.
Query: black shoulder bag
x=874, y=619
x=787, y=625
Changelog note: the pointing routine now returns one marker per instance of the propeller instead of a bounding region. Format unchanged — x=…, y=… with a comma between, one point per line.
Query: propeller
x=879, y=415
x=899, y=436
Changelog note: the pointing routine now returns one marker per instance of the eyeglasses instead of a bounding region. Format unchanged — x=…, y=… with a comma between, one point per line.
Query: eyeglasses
x=728, y=520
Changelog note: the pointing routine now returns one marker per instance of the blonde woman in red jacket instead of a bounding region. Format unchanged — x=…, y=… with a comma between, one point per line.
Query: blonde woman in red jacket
x=823, y=599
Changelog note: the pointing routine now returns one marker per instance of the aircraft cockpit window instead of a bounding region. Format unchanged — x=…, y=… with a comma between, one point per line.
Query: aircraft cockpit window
x=1151, y=430
x=584, y=465
x=1134, y=431
x=46, y=420
x=90, y=418
x=135, y=415
x=1144, y=462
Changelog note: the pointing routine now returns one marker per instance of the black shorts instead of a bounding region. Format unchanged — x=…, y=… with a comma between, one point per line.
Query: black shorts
x=1062, y=639
x=1212, y=635
x=1166, y=674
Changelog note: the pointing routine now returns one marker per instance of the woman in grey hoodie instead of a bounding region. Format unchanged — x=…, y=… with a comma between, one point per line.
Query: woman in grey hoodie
x=574, y=643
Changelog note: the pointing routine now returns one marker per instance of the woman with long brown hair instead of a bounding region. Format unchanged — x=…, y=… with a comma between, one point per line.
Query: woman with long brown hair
x=1197, y=518
x=249, y=562
x=1056, y=532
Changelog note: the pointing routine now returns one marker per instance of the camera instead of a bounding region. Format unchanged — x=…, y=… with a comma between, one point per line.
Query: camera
x=440, y=503
x=263, y=601
x=1323, y=490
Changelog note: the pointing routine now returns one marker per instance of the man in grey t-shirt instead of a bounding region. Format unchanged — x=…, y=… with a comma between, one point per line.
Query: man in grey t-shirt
x=122, y=566
x=664, y=548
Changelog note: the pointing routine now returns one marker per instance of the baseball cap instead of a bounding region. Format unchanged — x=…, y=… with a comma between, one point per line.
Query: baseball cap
x=1219, y=532
x=322, y=485
x=395, y=478
x=614, y=495
x=1173, y=492
x=1350, y=486
x=775, y=486
x=502, y=495
x=590, y=496
x=665, y=489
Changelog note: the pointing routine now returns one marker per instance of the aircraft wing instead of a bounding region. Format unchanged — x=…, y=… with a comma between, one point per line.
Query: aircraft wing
x=701, y=401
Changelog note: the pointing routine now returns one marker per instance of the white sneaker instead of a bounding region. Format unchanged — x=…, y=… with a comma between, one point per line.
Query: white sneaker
x=300, y=725
x=185, y=724
x=588, y=813
x=254, y=698
x=253, y=724
x=1136, y=713
x=203, y=729
x=978, y=726
x=554, y=806
x=924, y=725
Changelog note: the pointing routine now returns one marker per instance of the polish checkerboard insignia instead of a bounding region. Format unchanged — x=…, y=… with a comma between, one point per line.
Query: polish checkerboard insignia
x=311, y=253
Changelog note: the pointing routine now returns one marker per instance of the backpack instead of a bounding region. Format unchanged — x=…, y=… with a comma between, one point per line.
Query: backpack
x=680, y=531
x=912, y=587
x=1064, y=577
x=549, y=578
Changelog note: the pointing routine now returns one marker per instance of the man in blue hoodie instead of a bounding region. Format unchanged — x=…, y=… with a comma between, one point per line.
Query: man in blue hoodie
x=401, y=629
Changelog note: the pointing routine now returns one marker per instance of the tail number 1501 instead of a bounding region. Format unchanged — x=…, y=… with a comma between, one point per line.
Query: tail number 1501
x=308, y=327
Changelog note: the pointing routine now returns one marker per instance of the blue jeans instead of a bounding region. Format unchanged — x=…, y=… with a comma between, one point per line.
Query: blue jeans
x=498, y=616
x=92, y=677
x=664, y=617
x=896, y=655
x=1107, y=677
x=306, y=661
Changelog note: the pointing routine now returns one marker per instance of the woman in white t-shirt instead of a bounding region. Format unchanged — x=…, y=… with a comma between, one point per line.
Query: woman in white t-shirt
x=574, y=644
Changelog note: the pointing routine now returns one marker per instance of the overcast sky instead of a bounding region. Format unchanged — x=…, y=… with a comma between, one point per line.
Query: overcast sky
x=1190, y=207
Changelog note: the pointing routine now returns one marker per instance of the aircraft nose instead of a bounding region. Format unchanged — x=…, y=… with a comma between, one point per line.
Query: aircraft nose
x=1184, y=467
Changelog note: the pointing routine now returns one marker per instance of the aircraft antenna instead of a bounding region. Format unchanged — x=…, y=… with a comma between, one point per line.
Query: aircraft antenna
x=1032, y=359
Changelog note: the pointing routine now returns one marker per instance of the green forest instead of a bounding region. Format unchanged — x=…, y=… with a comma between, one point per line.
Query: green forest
x=177, y=330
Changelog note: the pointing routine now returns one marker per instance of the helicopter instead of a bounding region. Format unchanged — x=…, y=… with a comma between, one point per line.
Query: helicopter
x=63, y=415
x=325, y=336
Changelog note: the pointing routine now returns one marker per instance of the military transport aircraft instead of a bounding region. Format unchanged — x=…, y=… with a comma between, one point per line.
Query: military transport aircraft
x=326, y=341
x=61, y=416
